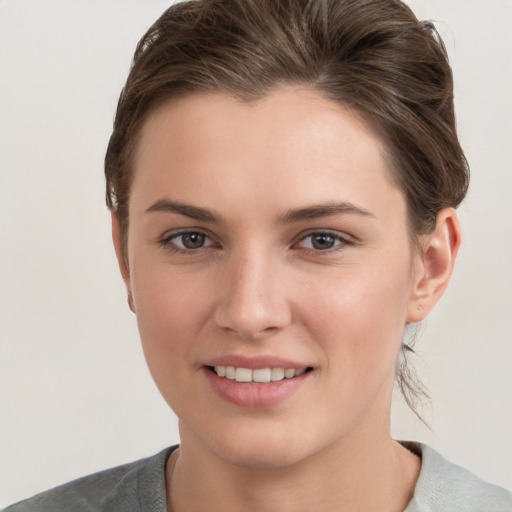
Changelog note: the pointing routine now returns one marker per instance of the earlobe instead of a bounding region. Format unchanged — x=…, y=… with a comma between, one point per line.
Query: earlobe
x=117, y=238
x=438, y=253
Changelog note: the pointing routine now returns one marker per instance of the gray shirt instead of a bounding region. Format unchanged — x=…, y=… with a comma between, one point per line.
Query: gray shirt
x=140, y=487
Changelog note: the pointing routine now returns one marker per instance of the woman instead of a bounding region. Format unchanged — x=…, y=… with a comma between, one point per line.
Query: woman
x=282, y=178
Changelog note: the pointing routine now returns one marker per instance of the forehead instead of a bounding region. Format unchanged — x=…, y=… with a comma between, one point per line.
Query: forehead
x=287, y=114
x=293, y=145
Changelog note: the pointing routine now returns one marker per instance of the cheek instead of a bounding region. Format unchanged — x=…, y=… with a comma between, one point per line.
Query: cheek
x=172, y=309
x=359, y=317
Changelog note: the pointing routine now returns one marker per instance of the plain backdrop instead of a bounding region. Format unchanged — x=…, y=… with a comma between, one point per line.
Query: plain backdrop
x=75, y=394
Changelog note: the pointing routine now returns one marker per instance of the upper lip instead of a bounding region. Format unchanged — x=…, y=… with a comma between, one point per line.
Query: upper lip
x=255, y=362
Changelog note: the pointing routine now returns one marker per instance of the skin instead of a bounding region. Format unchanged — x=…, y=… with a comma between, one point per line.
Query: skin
x=258, y=285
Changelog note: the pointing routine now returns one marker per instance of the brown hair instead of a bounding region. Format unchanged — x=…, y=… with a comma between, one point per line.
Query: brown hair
x=372, y=55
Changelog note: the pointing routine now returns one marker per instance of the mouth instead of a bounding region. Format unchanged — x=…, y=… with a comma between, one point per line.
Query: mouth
x=257, y=375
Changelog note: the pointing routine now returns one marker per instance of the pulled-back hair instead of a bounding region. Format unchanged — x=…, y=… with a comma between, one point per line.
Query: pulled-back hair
x=371, y=55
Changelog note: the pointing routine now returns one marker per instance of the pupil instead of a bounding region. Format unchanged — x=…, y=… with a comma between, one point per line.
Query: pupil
x=323, y=242
x=193, y=240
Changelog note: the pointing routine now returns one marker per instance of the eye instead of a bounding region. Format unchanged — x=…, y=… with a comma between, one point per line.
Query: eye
x=322, y=241
x=187, y=241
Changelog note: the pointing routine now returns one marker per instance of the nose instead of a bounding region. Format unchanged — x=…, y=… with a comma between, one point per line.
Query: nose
x=253, y=300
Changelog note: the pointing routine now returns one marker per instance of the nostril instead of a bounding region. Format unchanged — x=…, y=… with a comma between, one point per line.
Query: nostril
x=252, y=307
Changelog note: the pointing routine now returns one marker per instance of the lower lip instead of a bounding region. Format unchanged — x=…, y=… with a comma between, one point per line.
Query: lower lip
x=254, y=395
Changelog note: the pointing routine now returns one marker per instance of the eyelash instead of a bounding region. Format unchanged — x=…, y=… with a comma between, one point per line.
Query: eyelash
x=342, y=242
x=168, y=242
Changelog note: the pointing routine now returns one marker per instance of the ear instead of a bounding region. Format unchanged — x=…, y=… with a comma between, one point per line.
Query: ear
x=436, y=260
x=122, y=257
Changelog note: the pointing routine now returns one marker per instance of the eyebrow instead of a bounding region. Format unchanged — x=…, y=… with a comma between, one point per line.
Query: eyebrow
x=319, y=211
x=313, y=212
x=187, y=210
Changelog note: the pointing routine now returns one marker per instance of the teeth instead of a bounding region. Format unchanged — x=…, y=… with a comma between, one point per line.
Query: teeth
x=260, y=375
x=289, y=374
x=243, y=375
x=277, y=374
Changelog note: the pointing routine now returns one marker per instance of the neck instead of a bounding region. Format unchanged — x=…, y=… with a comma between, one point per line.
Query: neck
x=355, y=475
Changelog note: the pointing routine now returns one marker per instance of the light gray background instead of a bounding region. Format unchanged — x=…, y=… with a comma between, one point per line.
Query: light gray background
x=75, y=395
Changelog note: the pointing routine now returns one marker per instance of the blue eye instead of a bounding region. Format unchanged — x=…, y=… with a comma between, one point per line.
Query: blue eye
x=188, y=241
x=322, y=241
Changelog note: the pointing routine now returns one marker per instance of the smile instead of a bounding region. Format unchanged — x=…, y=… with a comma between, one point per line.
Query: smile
x=258, y=375
x=256, y=387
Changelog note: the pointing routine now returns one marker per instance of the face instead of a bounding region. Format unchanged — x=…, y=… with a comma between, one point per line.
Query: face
x=268, y=239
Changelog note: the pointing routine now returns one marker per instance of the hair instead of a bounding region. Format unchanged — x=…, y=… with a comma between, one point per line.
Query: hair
x=373, y=56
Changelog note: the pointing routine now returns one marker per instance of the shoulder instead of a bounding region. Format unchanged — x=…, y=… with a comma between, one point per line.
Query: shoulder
x=445, y=486
x=120, y=488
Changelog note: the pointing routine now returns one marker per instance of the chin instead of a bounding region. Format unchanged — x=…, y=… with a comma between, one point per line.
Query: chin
x=261, y=447
x=262, y=455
